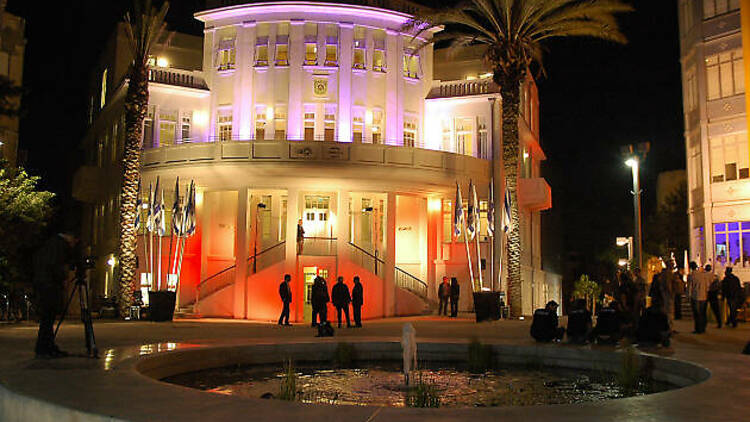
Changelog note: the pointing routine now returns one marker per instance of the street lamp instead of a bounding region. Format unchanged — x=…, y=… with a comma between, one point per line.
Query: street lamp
x=255, y=241
x=634, y=155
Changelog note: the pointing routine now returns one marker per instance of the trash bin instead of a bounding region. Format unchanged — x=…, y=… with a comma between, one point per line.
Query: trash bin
x=487, y=306
x=161, y=305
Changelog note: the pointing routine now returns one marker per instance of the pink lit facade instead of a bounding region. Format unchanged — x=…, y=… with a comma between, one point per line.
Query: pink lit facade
x=329, y=114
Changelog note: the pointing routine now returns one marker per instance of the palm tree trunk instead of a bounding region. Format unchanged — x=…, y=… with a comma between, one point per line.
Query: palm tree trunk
x=510, y=93
x=136, y=105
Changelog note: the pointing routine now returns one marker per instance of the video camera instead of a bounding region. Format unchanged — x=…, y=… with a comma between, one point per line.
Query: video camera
x=84, y=264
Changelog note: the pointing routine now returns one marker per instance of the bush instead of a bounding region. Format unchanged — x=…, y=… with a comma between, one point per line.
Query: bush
x=344, y=355
x=479, y=357
x=288, y=387
x=629, y=375
x=423, y=394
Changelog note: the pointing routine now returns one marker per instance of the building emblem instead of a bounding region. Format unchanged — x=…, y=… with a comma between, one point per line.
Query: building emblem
x=320, y=87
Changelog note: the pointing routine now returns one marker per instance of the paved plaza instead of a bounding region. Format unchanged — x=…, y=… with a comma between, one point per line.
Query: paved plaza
x=91, y=387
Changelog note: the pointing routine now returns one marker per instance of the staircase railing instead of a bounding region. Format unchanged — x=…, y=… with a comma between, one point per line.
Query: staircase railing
x=319, y=246
x=366, y=260
x=226, y=277
x=411, y=283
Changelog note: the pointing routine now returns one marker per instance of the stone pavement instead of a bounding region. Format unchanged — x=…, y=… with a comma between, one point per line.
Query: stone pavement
x=67, y=382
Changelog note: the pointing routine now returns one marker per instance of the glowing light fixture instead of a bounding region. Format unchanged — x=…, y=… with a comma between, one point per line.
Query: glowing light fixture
x=269, y=113
x=630, y=162
x=162, y=62
x=622, y=262
x=525, y=155
x=200, y=118
x=111, y=261
x=486, y=75
x=368, y=117
x=471, y=78
x=433, y=205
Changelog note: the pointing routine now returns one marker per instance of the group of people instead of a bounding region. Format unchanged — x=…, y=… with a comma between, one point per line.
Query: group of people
x=449, y=293
x=319, y=299
x=704, y=289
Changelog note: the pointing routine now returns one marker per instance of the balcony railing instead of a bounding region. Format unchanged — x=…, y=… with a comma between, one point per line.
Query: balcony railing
x=411, y=283
x=369, y=261
x=319, y=246
x=176, y=77
x=403, y=6
x=462, y=88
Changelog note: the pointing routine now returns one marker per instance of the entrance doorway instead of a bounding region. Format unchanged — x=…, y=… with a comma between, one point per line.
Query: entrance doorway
x=316, y=216
x=310, y=274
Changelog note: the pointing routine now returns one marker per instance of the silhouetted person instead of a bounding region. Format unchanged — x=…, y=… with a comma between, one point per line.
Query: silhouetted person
x=444, y=294
x=678, y=289
x=285, y=293
x=662, y=291
x=714, y=290
x=455, y=293
x=654, y=327
x=319, y=301
x=51, y=264
x=357, y=301
x=300, y=237
x=341, y=299
x=608, y=328
x=544, y=326
x=731, y=289
x=697, y=291
x=639, y=302
x=579, y=322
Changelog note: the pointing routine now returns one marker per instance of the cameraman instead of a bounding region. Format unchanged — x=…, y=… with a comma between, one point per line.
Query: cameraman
x=51, y=264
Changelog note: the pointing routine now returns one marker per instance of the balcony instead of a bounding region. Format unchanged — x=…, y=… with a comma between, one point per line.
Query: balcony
x=177, y=77
x=534, y=194
x=463, y=88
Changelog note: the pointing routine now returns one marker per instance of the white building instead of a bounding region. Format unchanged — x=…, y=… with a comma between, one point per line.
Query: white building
x=713, y=41
x=326, y=113
x=12, y=49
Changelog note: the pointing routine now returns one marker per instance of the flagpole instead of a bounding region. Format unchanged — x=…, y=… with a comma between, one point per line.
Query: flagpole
x=468, y=255
x=492, y=262
x=159, y=263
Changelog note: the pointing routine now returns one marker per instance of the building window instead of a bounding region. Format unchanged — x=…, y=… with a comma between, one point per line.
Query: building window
x=410, y=133
x=686, y=7
x=224, y=125
x=484, y=141
x=279, y=123
x=465, y=136
x=725, y=74
x=260, y=123
x=329, y=126
x=526, y=164
x=332, y=45
x=358, y=128
x=713, y=8
x=148, y=129
x=185, y=127
x=282, y=54
x=261, y=51
x=732, y=243
x=265, y=216
x=695, y=167
x=226, y=54
x=103, y=97
x=691, y=90
x=358, y=58
x=309, y=125
x=311, y=44
x=167, y=128
x=378, y=54
x=729, y=158
x=377, y=127
x=447, y=221
x=411, y=64
x=447, y=131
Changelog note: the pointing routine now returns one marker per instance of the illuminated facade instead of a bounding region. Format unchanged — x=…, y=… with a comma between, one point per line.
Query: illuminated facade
x=714, y=38
x=12, y=48
x=329, y=114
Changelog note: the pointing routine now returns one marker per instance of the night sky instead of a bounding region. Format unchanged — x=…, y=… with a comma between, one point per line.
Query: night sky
x=596, y=97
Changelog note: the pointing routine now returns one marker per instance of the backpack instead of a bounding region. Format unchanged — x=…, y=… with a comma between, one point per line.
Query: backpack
x=325, y=330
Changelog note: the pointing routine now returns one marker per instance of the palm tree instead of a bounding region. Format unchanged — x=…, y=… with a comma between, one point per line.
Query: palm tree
x=144, y=29
x=513, y=32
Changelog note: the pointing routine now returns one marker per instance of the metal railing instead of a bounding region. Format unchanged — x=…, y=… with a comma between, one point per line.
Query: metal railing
x=463, y=88
x=319, y=246
x=407, y=281
x=176, y=77
x=267, y=257
x=369, y=261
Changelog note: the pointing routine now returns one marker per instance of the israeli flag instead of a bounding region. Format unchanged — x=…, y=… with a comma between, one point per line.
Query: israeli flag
x=458, y=213
x=150, y=214
x=491, y=210
x=176, y=212
x=189, y=222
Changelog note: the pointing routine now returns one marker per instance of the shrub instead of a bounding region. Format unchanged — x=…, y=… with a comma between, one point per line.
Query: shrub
x=423, y=394
x=629, y=375
x=288, y=387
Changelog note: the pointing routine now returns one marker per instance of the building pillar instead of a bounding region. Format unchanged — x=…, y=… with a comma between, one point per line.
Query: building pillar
x=342, y=224
x=394, y=82
x=346, y=41
x=296, y=58
x=434, y=214
x=243, y=98
x=389, y=279
x=240, y=256
x=290, y=266
x=202, y=230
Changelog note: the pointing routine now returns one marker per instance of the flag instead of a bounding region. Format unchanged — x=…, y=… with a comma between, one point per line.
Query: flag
x=138, y=205
x=477, y=221
x=160, y=217
x=491, y=210
x=150, y=214
x=189, y=222
x=458, y=212
x=507, y=221
x=471, y=228
x=176, y=213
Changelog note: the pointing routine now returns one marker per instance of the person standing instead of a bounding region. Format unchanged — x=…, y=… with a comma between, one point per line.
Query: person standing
x=52, y=262
x=455, y=293
x=300, y=237
x=662, y=296
x=640, y=294
x=285, y=292
x=731, y=289
x=713, y=295
x=320, y=299
x=444, y=294
x=678, y=289
x=341, y=299
x=697, y=291
x=357, y=302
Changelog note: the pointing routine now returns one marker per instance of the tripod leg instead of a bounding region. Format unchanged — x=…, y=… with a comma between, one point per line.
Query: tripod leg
x=88, y=326
x=65, y=312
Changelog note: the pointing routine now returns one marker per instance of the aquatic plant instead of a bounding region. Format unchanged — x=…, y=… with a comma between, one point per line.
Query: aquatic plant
x=288, y=387
x=479, y=357
x=629, y=375
x=424, y=393
x=344, y=355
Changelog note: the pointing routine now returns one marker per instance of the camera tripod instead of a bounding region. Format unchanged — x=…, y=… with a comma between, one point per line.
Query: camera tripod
x=88, y=327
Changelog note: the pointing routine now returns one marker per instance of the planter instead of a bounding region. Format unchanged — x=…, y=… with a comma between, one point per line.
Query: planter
x=487, y=306
x=161, y=305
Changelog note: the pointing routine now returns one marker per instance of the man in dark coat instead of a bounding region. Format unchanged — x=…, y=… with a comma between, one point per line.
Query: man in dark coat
x=444, y=294
x=319, y=301
x=714, y=289
x=51, y=264
x=654, y=327
x=608, y=328
x=455, y=293
x=341, y=300
x=732, y=291
x=286, y=298
x=579, y=322
x=357, y=301
x=544, y=325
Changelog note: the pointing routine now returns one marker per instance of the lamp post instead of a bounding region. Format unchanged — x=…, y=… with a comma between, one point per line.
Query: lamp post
x=255, y=241
x=634, y=155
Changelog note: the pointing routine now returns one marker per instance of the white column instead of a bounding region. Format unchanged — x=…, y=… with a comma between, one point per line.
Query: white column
x=346, y=41
x=208, y=56
x=202, y=230
x=342, y=224
x=244, y=98
x=389, y=279
x=394, y=82
x=240, y=256
x=290, y=266
x=296, y=57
